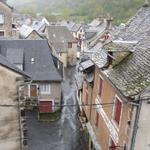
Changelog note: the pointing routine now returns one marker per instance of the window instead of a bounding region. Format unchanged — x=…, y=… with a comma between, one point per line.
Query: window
x=20, y=66
x=112, y=145
x=1, y=18
x=100, y=84
x=117, y=110
x=1, y=33
x=69, y=45
x=45, y=89
x=97, y=119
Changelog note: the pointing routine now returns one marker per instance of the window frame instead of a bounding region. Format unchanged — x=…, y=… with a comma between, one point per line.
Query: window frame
x=3, y=32
x=100, y=86
x=111, y=141
x=45, y=92
x=114, y=111
x=3, y=19
x=97, y=115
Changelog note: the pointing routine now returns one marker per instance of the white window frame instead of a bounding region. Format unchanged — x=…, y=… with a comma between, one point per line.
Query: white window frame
x=45, y=92
x=117, y=126
x=3, y=19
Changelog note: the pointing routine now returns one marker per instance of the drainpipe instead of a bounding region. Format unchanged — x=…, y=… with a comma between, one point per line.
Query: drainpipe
x=135, y=125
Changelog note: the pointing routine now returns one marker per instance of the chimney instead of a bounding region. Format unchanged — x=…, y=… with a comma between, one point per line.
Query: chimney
x=146, y=3
x=109, y=23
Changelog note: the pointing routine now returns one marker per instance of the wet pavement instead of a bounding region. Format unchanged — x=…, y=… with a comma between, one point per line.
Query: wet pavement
x=65, y=134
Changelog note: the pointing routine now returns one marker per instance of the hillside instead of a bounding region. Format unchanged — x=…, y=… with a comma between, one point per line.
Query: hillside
x=86, y=10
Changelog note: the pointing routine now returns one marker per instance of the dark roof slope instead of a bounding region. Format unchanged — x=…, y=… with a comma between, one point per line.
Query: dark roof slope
x=15, y=55
x=4, y=62
x=132, y=75
x=38, y=61
x=138, y=27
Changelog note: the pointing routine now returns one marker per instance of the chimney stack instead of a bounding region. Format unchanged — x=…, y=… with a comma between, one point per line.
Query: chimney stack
x=146, y=3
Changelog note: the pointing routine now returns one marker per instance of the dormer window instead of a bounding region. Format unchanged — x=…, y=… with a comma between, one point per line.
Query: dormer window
x=1, y=18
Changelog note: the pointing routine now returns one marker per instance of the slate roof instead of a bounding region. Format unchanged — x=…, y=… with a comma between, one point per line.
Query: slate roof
x=138, y=26
x=37, y=25
x=68, y=24
x=4, y=62
x=15, y=56
x=25, y=32
x=91, y=50
x=132, y=75
x=100, y=58
x=59, y=36
x=42, y=68
x=86, y=64
x=76, y=27
x=4, y=2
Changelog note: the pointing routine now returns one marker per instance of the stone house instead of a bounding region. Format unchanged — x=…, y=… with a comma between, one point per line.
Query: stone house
x=26, y=32
x=35, y=58
x=5, y=19
x=63, y=44
x=13, y=131
x=120, y=98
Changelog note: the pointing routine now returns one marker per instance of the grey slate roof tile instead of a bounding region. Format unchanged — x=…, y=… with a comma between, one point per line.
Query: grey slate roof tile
x=43, y=68
x=15, y=56
x=59, y=36
x=6, y=63
x=132, y=75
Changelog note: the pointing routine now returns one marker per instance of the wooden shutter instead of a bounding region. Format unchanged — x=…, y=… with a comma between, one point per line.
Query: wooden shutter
x=118, y=108
x=97, y=119
x=112, y=145
x=100, y=86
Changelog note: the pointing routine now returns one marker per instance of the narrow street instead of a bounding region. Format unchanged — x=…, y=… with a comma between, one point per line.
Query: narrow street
x=64, y=134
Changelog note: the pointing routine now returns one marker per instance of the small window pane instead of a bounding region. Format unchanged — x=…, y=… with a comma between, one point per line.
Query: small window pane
x=117, y=113
x=1, y=19
x=1, y=33
x=45, y=88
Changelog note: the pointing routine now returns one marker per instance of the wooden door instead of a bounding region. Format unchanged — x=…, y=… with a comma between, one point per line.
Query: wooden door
x=33, y=90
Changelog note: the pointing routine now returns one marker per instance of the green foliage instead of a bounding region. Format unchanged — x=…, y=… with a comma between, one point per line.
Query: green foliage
x=86, y=10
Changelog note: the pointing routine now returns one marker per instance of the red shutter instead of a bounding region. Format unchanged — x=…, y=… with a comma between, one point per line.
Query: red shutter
x=112, y=145
x=100, y=86
x=45, y=106
x=97, y=119
x=118, y=107
x=86, y=98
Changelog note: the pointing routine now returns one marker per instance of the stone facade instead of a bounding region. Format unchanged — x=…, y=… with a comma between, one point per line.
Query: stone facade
x=6, y=23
